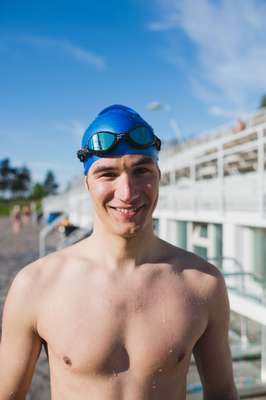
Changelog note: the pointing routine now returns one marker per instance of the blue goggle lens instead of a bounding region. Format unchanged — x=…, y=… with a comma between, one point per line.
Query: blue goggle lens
x=101, y=141
x=142, y=136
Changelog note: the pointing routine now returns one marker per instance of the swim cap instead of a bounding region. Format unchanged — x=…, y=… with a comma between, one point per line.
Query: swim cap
x=117, y=119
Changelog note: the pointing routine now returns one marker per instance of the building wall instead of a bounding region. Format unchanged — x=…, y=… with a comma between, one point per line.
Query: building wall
x=259, y=255
x=204, y=239
x=232, y=247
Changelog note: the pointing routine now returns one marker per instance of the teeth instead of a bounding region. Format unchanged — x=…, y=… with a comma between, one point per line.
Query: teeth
x=126, y=210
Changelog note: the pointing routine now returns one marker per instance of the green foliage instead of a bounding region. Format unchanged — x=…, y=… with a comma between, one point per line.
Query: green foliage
x=5, y=174
x=21, y=180
x=4, y=208
x=38, y=191
x=50, y=186
x=263, y=101
x=16, y=182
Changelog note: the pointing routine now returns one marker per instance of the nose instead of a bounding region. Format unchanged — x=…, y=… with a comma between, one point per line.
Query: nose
x=127, y=189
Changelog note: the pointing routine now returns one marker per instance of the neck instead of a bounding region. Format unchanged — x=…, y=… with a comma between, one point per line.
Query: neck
x=118, y=252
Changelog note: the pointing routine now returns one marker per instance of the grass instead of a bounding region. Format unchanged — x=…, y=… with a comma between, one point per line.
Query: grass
x=7, y=205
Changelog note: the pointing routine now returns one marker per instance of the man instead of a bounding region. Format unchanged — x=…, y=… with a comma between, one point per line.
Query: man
x=122, y=311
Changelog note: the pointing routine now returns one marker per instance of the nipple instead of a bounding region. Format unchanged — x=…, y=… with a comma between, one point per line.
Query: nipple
x=67, y=360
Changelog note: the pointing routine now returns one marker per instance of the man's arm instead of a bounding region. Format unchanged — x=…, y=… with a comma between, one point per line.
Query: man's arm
x=212, y=352
x=20, y=344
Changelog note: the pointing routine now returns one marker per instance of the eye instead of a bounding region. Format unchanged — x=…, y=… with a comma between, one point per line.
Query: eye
x=142, y=171
x=108, y=175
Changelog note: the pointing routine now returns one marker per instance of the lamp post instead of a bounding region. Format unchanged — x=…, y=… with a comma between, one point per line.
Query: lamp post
x=155, y=106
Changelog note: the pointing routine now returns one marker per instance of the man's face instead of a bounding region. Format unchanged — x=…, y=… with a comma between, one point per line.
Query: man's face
x=124, y=191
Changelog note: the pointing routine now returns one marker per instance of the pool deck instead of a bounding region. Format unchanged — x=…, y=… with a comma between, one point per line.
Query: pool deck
x=16, y=251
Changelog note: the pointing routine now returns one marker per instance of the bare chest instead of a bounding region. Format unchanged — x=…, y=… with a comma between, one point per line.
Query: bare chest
x=102, y=332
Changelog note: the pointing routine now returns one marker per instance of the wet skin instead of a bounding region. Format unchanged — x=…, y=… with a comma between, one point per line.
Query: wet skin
x=122, y=311
x=121, y=337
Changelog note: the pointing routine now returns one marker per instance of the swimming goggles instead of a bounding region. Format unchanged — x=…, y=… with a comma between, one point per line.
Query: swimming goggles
x=103, y=142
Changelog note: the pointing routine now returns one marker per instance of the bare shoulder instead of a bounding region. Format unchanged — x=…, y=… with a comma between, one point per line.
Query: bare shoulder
x=198, y=273
x=28, y=280
x=43, y=274
x=23, y=298
x=32, y=281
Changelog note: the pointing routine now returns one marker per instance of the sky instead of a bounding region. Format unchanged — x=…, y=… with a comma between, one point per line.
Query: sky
x=63, y=61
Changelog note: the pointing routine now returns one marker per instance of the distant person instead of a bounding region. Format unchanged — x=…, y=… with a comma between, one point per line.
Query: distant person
x=33, y=213
x=39, y=216
x=66, y=227
x=239, y=126
x=122, y=311
x=15, y=218
x=26, y=214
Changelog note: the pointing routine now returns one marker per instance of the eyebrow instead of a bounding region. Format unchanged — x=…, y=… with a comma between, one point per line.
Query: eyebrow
x=147, y=160
x=105, y=168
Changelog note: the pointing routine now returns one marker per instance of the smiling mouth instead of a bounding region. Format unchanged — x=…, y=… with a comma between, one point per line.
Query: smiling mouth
x=127, y=210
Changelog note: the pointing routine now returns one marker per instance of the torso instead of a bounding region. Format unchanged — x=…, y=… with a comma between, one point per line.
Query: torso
x=119, y=337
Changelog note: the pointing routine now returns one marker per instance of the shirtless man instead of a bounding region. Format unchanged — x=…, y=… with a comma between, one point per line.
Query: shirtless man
x=122, y=311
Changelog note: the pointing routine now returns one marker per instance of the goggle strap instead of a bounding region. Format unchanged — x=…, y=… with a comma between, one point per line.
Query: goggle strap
x=84, y=153
x=158, y=143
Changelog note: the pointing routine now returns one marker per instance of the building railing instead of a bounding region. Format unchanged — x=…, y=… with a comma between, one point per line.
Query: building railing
x=239, y=193
x=224, y=174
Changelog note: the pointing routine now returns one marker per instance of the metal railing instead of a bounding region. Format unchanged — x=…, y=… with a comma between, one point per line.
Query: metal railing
x=245, y=283
x=239, y=189
x=45, y=231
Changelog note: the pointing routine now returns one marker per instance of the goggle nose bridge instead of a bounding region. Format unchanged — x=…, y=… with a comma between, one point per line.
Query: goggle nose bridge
x=120, y=135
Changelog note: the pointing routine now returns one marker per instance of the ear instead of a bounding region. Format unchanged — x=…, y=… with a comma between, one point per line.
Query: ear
x=86, y=183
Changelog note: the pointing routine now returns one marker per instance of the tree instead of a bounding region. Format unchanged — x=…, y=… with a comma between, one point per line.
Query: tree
x=14, y=181
x=20, y=183
x=263, y=101
x=4, y=175
x=7, y=176
x=38, y=191
x=50, y=186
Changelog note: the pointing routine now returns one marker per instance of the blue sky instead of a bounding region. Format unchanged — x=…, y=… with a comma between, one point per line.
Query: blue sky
x=62, y=61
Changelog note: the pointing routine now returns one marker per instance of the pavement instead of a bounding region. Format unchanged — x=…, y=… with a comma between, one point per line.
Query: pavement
x=16, y=251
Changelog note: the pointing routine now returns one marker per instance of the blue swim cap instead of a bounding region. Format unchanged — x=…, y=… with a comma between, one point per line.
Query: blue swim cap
x=117, y=119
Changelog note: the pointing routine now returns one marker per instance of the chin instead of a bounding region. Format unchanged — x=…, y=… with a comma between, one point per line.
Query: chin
x=128, y=232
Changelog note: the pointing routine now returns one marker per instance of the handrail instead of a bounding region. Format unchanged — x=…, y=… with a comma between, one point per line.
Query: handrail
x=257, y=279
x=45, y=231
x=235, y=260
x=242, y=274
